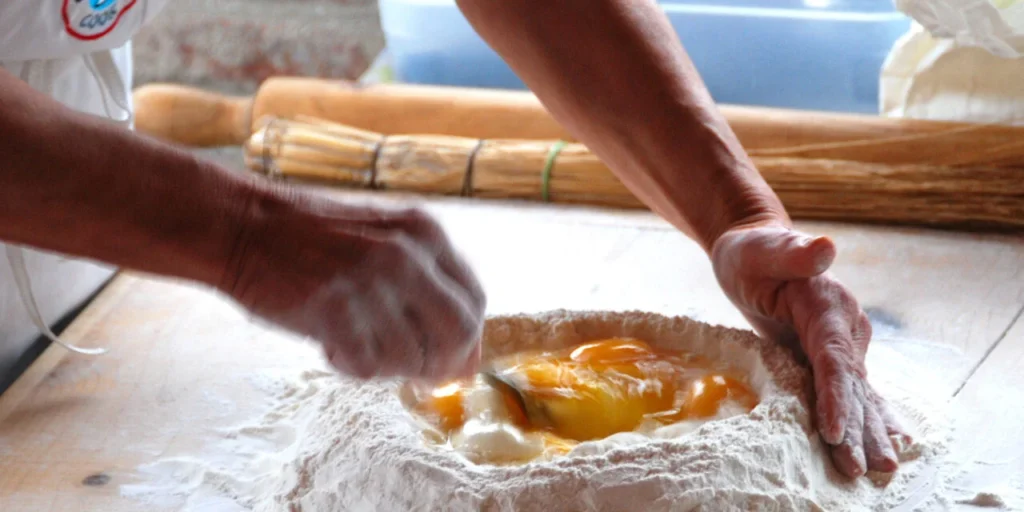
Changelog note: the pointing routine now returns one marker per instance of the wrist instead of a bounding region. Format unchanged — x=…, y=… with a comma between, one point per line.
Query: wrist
x=190, y=226
x=752, y=205
x=258, y=205
x=704, y=181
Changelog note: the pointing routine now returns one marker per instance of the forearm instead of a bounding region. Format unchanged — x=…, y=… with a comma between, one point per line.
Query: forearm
x=615, y=75
x=75, y=184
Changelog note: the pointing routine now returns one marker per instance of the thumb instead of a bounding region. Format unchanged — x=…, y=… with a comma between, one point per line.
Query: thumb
x=799, y=256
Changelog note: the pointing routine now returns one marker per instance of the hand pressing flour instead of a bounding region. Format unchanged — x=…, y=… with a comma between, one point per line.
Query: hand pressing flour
x=383, y=290
x=633, y=96
x=777, y=278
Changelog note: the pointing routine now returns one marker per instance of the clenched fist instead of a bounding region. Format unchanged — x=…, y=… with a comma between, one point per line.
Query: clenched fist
x=382, y=289
x=777, y=278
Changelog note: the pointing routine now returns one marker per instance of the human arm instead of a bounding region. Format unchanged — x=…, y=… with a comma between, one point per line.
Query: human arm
x=382, y=289
x=615, y=75
x=79, y=185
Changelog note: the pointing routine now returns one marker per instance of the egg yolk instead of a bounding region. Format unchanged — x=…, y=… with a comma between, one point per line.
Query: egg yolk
x=706, y=394
x=598, y=389
x=444, y=406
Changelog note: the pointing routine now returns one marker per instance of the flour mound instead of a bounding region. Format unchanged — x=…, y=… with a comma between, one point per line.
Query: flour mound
x=362, y=450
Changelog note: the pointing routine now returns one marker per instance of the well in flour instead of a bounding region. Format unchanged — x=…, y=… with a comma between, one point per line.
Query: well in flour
x=356, y=447
x=541, y=404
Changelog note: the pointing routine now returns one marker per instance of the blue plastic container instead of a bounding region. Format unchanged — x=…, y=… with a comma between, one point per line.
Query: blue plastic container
x=803, y=54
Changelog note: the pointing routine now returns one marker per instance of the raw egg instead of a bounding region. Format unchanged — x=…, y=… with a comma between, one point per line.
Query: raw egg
x=591, y=391
x=443, y=406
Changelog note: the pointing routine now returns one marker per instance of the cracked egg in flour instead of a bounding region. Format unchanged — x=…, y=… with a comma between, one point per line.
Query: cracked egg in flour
x=541, y=404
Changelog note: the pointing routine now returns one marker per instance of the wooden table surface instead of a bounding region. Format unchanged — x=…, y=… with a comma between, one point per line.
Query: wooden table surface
x=74, y=428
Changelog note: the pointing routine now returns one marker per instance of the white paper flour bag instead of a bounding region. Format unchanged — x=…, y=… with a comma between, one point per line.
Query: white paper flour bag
x=995, y=25
x=963, y=60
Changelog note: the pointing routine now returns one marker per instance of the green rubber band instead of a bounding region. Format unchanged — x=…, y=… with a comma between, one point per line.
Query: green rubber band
x=545, y=183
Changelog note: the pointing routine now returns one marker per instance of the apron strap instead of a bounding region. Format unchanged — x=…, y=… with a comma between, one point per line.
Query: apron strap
x=113, y=92
x=16, y=258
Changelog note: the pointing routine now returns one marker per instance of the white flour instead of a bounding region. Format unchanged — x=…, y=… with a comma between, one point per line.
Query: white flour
x=334, y=445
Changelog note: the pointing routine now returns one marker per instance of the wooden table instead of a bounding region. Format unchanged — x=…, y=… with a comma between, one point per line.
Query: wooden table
x=74, y=428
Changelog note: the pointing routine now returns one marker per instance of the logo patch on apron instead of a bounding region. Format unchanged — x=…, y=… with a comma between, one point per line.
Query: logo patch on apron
x=89, y=20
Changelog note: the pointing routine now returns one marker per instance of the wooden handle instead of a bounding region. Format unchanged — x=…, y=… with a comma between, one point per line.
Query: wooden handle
x=409, y=109
x=192, y=117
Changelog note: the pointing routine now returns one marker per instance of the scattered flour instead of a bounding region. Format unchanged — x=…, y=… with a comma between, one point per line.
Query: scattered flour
x=984, y=499
x=332, y=444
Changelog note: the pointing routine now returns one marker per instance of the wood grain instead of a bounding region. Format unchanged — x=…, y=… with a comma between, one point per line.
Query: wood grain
x=988, y=419
x=966, y=197
x=201, y=118
x=182, y=358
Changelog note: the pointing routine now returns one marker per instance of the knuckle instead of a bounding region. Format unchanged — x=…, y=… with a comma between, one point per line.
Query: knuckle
x=418, y=221
x=473, y=281
x=863, y=319
x=473, y=303
x=864, y=329
x=415, y=216
x=361, y=363
x=390, y=253
x=343, y=364
x=469, y=333
x=833, y=356
x=364, y=372
x=839, y=358
x=462, y=332
x=480, y=303
x=470, y=316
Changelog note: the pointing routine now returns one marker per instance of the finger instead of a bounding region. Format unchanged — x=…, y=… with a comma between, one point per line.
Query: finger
x=426, y=232
x=460, y=272
x=848, y=455
x=460, y=335
x=451, y=262
x=401, y=353
x=449, y=326
x=780, y=253
x=459, y=346
x=446, y=321
x=356, y=343
x=861, y=333
x=472, y=364
x=801, y=257
x=343, y=365
x=334, y=354
x=893, y=427
x=341, y=360
x=329, y=350
x=833, y=385
x=878, y=448
x=415, y=224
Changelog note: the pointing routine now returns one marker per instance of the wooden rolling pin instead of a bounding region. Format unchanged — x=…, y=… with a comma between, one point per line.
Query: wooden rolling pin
x=198, y=118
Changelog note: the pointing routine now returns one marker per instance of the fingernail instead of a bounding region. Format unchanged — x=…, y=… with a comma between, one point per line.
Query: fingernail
x=833, y=433
x=849, y=460
x=805, y=240
x=824, y=253
x=886, y=465
x=861, y=461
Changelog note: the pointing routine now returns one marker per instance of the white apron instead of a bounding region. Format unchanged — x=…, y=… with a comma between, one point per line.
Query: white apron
x=79, y=53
